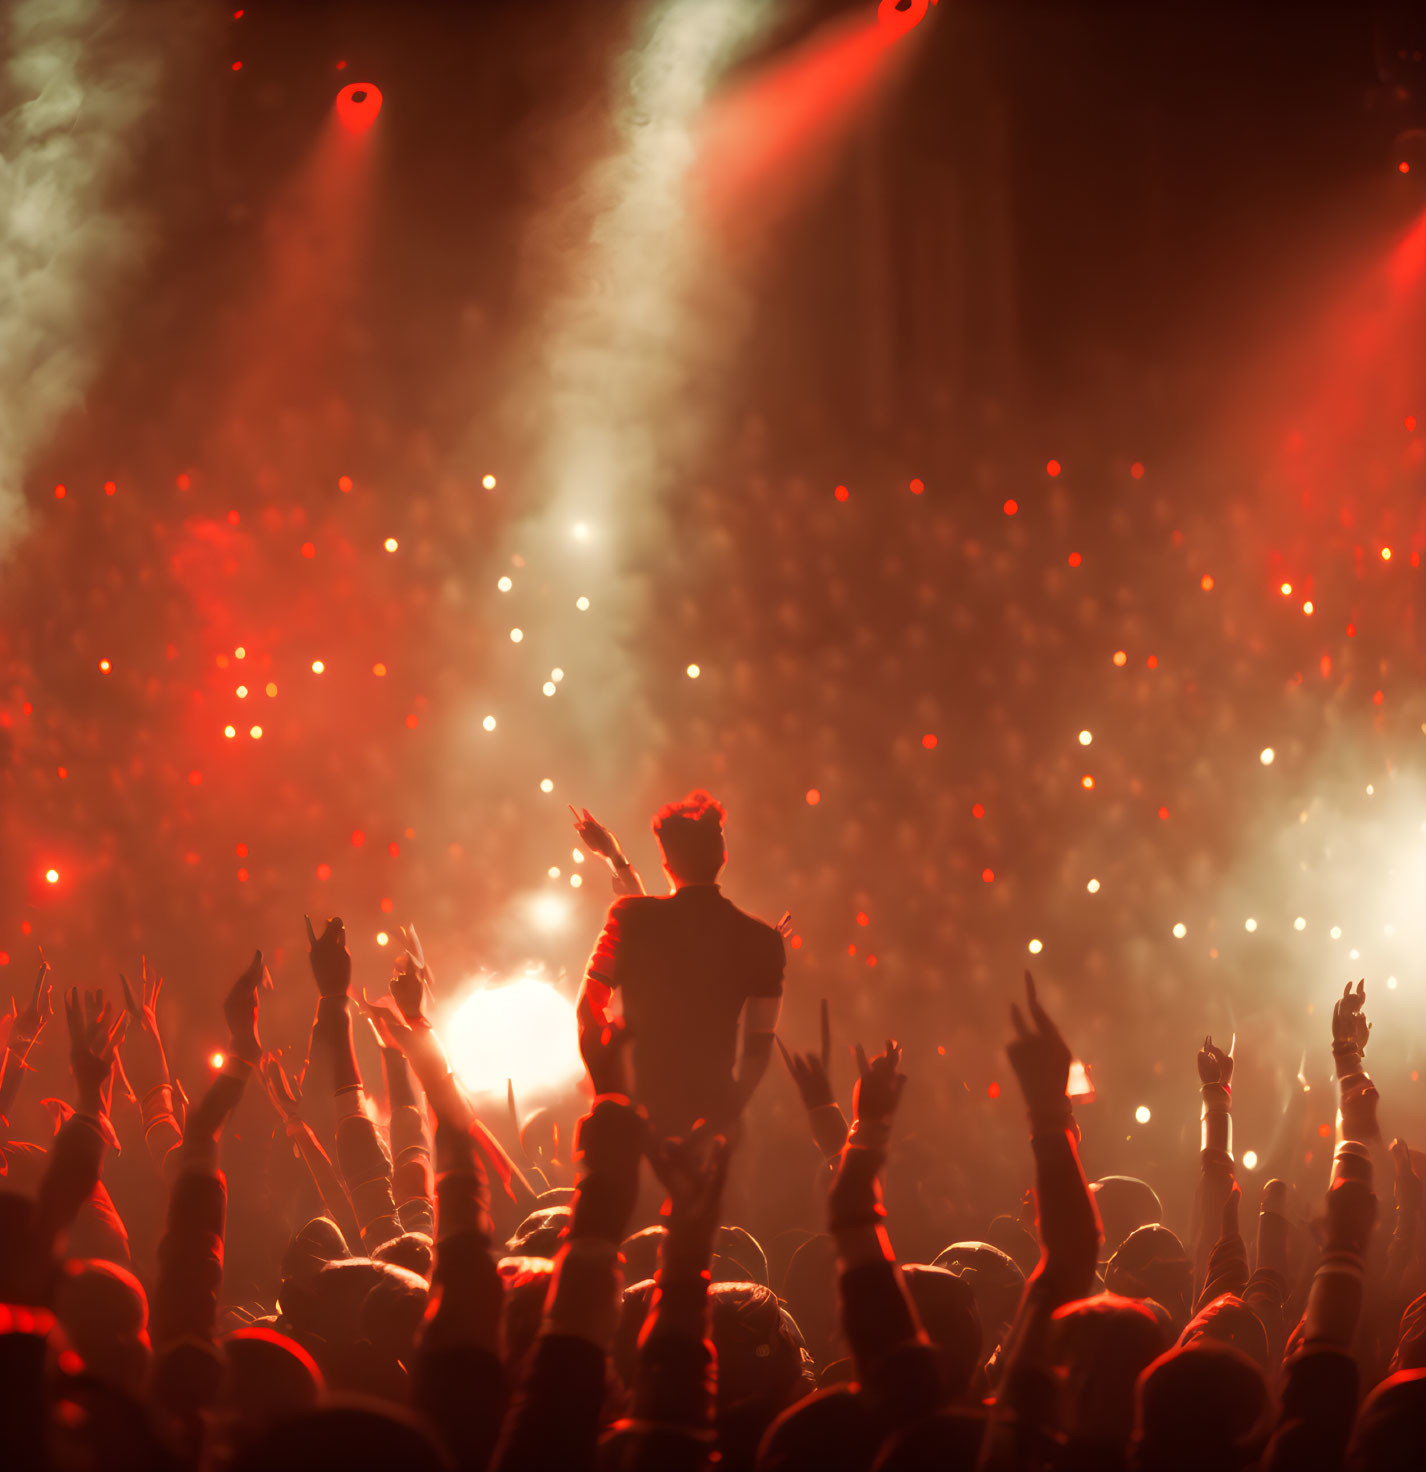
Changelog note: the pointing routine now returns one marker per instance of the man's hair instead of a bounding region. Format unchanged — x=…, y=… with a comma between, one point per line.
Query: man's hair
x=690, y=833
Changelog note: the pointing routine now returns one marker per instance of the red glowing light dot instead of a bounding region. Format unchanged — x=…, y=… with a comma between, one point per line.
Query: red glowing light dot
x=863, y=918
x=233, y=518
x=183, y=482
x=393, y=849
x=237, y=66
x=929, y=741
x=1087, y=782
x=988, y=875
x=1206, y=582
x=871, y=960
x=52, y=876
x=977, y=811
x=851, y=950
x=4, y=958
x=190, y=857
x=386, y=907
x=195, y=778
x=238, y=14
x=24, y=927
x=1403, y=167
x=242, y=876
x=1378, y=698
x=1137, y=470
x=105, y=666
x=413, y=720
x=813, y=797
x=63, y=773
x=358, y=838
x=841, y=493
x=110, y=488
x=308, y=549
x=796, y=942
x=341, y=66
x=1120, y=658
x=324, y=872
x=1052, y=467
x=993, y=1092
x=344, y=483
x=1164, y=813
x=917, y=486
x=60, y=493
x=1075, y=559
x=378, y=670
x=1386, y=554
x=1324, y=1130
x=358, y=105
x=241, y=850
x=1010, y=507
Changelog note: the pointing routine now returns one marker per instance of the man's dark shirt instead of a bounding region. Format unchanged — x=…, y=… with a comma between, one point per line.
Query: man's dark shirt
x=685, y=964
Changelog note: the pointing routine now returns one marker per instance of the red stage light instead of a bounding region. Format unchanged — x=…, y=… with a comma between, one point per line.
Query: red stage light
x=900, y=16
x=358, y=104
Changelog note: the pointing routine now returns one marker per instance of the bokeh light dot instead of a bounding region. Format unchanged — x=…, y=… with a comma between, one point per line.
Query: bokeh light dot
x=489, y=723
x=516, y=635
x=546, y=785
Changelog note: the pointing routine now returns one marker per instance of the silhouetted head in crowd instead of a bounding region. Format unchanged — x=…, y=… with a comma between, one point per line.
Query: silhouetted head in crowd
x=267, y=1378
x=1228, y=1320
x=995, y=1280
x=1390, y=1434
x=1125, y=1203
x=948, y=1442
x=1203, y=1406
x=539, y=1235
x=1102, y=1344
x=690, y=835
x=946, y=1306
x=413, y=1251
x=104, y=1313
x=831, y=1431
x=1151, y=1263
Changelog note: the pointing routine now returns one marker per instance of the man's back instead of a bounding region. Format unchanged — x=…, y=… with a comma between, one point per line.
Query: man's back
x=686, y=963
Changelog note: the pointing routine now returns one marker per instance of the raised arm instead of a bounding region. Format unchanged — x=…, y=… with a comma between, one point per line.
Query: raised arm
x=1217, y=1221
x=811, y=1074
x=595, y=837
x=411, y=1179
x=147, y=1065
x=1069, y=1232
x=28, y=1023
x=362, y=1156
x=556, y=1418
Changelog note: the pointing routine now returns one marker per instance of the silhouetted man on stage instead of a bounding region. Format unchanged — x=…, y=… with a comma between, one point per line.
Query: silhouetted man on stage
x=687, y=966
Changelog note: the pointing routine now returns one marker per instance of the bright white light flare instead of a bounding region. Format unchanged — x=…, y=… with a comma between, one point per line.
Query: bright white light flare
x=521, y=1029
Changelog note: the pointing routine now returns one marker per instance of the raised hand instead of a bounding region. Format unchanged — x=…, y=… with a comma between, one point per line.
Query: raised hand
x=331, y=961
x=1214, y=1065
x=29, y=1022
x=811, y=1071
x=143, y=1053
x=1350, y=1028
x=593, y=835
x=286, y=1095
x=411, y=982
x=693, y=1173
x=879, y=1084
x=94, y=1036
x=1040, y=1057
x=240, y=1011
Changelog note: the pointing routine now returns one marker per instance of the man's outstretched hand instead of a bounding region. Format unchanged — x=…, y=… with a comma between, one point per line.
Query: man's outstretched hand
x=240, y=1011
x=331, y=961
x=29, y=1021
x=1350, y=1028
x=878, y=1088
x=1214, y=1065
x=1041, y=1059
x=594, y=836
x=94, y=1037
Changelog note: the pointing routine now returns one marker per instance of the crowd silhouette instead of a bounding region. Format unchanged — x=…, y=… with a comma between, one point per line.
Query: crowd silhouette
x=445, y=1302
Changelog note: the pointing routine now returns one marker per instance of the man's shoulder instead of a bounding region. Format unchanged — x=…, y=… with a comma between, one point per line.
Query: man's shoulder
x=627, y=905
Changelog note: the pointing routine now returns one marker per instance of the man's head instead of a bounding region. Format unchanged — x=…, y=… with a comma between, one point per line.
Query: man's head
x=690, y=833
